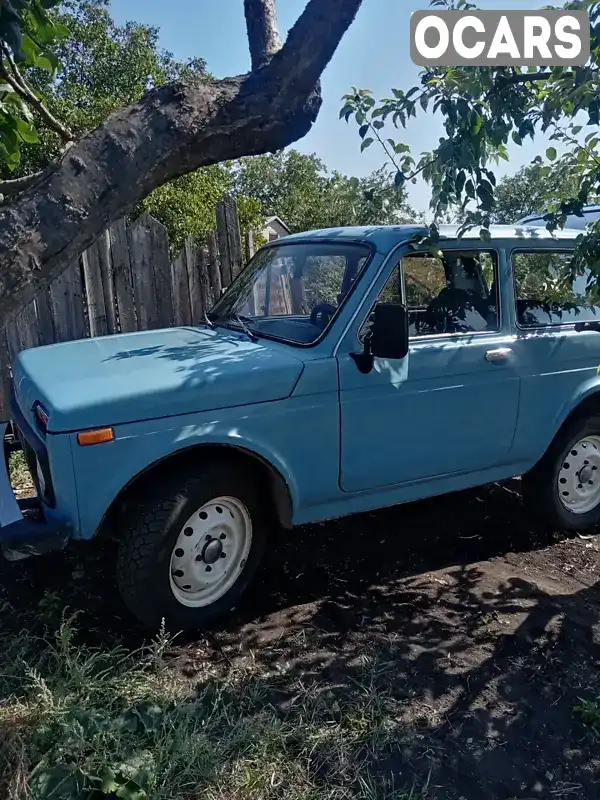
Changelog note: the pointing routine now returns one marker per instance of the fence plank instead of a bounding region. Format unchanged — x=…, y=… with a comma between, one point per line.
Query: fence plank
x=43, y=309
x=151, y=270
x=181, y=289
x=5, y=377
x=94, y=291
x=195, y=293
x=27, y=327
x=106, y=270
x=223, y=245
x=123, y=282
x=12, y=338
x=66, y=297
x=249, y=246
x=139, y=237
x=214, y=266
x=206, y=298
x=161, y=264
x=234, y=237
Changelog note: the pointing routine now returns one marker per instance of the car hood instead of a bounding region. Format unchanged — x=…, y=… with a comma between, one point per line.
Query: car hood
x=130, y=377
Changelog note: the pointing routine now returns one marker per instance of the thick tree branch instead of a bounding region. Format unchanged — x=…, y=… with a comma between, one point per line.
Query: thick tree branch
x=173, y=130
x=18, y=185
x=263, y=34
x=14, y=186
x=18, y=83
x=530, y=77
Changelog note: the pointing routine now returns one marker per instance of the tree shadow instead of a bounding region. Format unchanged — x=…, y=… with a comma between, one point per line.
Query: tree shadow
x=455, y=615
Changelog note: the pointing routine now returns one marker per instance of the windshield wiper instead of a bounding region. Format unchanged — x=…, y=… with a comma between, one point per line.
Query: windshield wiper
x=241, y=321
x=226, y=319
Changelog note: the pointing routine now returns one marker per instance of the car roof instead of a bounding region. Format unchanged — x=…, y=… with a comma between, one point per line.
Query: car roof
x=384, y=237
x=589, y=214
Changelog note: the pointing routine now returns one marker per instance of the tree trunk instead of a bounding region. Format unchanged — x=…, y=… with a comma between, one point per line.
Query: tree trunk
x=173, y=130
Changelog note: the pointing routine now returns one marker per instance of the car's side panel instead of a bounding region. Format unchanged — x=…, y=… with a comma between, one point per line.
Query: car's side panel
x=298, y=436
x=407, y=493
x=558, y=368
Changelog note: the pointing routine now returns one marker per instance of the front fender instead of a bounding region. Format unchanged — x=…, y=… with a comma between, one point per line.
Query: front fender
x=298, y=440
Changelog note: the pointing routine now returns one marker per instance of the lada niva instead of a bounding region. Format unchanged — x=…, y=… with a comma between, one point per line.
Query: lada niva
x=344, y=370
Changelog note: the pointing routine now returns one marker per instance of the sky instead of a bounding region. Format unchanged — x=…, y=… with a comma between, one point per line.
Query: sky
x=373, y=55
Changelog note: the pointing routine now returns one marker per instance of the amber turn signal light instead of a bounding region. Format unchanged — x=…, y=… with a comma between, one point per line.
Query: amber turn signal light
x=95, y=437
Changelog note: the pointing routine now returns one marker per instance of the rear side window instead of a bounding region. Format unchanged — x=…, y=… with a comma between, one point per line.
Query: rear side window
x=551, y=289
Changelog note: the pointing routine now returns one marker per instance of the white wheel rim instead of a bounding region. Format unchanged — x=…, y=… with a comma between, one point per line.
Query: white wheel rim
x=578, y=482
x=211, y=552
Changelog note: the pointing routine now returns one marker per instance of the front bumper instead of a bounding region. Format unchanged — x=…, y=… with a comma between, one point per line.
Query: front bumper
x=24, y=528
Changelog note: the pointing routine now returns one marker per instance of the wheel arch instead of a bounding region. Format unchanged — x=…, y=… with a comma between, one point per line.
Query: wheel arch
x=587, y=402
x=269, y=477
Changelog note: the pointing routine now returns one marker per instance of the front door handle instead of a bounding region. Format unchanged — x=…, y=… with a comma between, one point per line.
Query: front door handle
x=496, y=356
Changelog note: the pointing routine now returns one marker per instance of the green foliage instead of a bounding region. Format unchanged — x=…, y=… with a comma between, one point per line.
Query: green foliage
x=530, y=191
x=484, y=109
x=589, y=712
x=103, y=66
x=106, y=723
x=29, y=33
x=305, y=195
x=186, y=206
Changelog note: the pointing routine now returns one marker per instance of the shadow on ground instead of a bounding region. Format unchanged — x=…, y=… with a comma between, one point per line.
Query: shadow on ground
x=475, y=630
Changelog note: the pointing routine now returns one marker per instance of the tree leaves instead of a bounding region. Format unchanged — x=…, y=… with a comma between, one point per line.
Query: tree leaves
x=484, y=111
x=299, y=189
x=29, y=32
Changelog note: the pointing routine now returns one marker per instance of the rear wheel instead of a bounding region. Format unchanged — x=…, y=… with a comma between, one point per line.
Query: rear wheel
x=564, y=486
x=192, y=548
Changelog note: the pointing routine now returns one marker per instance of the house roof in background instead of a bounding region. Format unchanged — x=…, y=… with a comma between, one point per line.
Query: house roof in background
x=278, y=220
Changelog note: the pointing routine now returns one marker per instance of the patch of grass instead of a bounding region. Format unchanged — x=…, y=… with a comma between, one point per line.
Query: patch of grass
x=589, y=713
x=76, y=721
x=20, y=476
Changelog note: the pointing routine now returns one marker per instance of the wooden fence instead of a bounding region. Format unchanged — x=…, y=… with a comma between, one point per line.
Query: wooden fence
x=127, y=282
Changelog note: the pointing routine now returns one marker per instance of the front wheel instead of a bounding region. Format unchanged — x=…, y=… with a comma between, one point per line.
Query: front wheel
x=191, y=549
x=564, y=487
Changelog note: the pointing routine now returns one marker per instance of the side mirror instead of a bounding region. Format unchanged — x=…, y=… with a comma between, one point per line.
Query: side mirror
x=386, y=336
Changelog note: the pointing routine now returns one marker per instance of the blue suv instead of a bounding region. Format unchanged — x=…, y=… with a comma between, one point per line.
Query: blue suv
x=344, y=370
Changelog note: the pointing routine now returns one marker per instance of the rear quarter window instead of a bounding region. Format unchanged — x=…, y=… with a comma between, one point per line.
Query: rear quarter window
x=551, y=288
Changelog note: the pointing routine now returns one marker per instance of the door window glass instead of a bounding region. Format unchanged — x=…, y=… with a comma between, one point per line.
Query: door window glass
x=455, y=293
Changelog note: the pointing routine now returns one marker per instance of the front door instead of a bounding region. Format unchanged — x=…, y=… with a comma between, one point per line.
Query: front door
x=451, y=405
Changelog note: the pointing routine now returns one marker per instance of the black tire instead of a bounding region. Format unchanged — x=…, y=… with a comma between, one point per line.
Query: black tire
x=540, y=485
x=152, y=526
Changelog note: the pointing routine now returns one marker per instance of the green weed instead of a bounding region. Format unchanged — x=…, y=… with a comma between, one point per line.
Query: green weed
x=77, y=721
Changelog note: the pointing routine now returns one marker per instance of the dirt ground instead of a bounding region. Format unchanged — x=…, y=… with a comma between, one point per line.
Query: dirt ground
x=480, y=628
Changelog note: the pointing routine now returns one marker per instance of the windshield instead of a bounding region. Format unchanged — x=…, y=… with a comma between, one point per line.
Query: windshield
x=292, y=291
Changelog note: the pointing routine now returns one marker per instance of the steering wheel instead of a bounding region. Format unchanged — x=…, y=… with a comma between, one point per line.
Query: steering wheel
x=322, y=314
